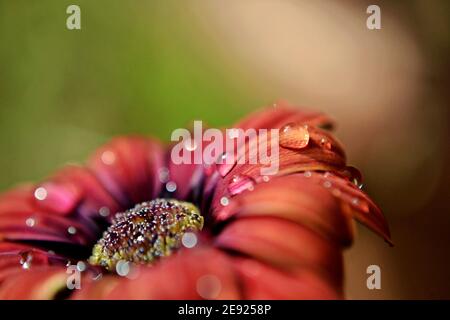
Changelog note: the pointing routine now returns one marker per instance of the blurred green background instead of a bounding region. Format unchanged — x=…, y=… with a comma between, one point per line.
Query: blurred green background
x=152, y=66
x=135, y=67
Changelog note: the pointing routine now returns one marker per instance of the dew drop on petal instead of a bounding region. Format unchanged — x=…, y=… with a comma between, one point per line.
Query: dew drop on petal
x=357, y=183
x=224, y=201
x=171, y=186
x=294, y=136
x=30, y=222
x=104, y=211
x=97, y=277
x=327, y=184
x=163, y=175
x=336, y=193
x=108, y=157
x=266, y=178
x=189, y=240
x=325, y=143
x=239, y=184
x=25, y=259
x=40, y=193
x=361, y=205
x=307, y=174
x=209, y=286
x=122, y=268
x=72, y=230
x=81, y=266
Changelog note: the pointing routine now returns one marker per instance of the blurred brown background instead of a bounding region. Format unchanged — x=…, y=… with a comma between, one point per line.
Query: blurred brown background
x=150, y=67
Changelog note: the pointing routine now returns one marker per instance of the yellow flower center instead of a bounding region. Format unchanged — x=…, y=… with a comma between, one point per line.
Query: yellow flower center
x=147, y=232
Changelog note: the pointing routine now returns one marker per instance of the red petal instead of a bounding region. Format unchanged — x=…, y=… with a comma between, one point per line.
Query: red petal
x=128, y=168
x=190, y=274
x=282, y=114
x=284, y=244
x=261, y=282
x=297, y=198
x=40, y=284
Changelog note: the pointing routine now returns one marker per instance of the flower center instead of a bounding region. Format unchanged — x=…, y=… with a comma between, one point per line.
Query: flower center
x=147, y=232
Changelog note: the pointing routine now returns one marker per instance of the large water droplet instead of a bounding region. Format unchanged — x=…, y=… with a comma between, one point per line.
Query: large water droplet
x=294, y=136
x=239, y=184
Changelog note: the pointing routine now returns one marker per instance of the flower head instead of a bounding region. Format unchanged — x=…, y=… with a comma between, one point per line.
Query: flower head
x=138, y=226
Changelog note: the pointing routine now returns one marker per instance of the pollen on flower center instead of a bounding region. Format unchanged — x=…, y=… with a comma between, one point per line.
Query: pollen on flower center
x=147, y=232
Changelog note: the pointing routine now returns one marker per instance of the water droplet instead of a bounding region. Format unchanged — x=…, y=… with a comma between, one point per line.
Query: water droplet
x=122, y=268
x=97, y=277
x=294, y=136
x=104, y=211
x=336, y=193
x=171, y=186
x=224, y=201
x=30, y=222
x=239, y=184
x=327, y=184
x=307, y=174
x=325, y=143
x=108, y=157
x=189, y=240
x=357, y=183
x=81, y=266
x=163, y=175
x=40, y=193
x=72, y=230
x=209, y=286
x=266, y=178
x=25, y=259
x=360, y=204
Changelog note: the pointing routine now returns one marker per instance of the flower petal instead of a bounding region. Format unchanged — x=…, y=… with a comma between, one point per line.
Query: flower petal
x=295, y=198
x=41, y=284
x=280, y=114
x=189, y=274
x=128, y=168
x=262, y=282
x=283, y=244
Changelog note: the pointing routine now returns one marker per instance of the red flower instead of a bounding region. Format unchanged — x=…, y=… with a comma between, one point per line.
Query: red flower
x=263, y=237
